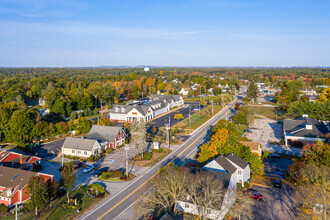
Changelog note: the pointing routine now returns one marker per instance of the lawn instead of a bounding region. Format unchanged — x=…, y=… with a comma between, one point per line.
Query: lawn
x=269, y=112
x=156, y=157
x=197, y=119
x=57, y=212
x=216, y=99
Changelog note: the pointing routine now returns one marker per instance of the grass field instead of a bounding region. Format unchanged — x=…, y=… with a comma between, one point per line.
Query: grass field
x=269, y=112
x=216, y=99
x=197, y=119
x=156, y=156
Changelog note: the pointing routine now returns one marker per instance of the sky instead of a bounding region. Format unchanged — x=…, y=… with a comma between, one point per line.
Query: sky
x=85, y=33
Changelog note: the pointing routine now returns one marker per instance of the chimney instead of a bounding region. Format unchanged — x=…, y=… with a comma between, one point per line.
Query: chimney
x=9, y=192
x=22, y=161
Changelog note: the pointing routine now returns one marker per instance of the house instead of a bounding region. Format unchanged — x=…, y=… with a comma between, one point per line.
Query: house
x=13, y=183
x=231, y=164
x=230, y=186
x=107, y=136
x=308, y=92
x=17, y=160
x=81, y=147
x=255, y=147
x=304, y=130
x=184, y=91
x=162, y=92
x=311, y=98
x=147, y=110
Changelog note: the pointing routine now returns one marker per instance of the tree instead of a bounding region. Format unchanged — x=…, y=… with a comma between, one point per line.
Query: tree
x=325, y=96
x=37, y=191
x=68, y=178
x=52, y=191
x=267, y=82
x=81, y=125
x=139, y=135
x=103, y=121
x=242, y=207
x=178, y=117
x=73, y=116
x=252, y=91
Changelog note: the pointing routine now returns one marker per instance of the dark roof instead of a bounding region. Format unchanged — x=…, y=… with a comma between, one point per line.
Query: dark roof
x=222, y=176
x=163, y=90
x=225, y=164
x=297, y=127
x=236, y=160
x=104, y=133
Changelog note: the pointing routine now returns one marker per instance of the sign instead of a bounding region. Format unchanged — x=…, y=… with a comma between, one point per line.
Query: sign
x=134, y=113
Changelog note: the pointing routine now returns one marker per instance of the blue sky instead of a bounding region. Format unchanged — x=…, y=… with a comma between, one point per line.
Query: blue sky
x=73, y=33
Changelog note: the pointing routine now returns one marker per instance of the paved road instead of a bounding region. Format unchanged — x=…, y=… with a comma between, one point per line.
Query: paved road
x=113, y=206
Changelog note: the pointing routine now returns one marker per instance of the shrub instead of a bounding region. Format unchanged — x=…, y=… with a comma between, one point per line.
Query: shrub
x=108, y=150
x=3, y=208
x=116, y=173
x=265, y=155
x=246, y=185
x=147, y=156
x=157, y=150
x=97, y=187
x=105, y=175
x=37, y=167
x=91, y=158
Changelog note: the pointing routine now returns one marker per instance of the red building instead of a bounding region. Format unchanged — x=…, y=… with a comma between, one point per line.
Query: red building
x=13, y=183
x=17, y=160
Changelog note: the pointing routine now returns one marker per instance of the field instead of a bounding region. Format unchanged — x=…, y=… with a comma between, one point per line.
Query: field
x=268, y=112
x=156, y=156
x=197, y=119
x=216, y=99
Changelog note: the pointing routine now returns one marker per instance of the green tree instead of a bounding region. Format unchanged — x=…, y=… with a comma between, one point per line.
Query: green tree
x=68, y=178
x=252, y=91
x=139, y=135
x=73, y=116
x=267, y=82
x=37, y=191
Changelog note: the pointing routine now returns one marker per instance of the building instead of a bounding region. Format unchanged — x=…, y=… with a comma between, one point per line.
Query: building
x=147, y=110
x=230, y=186
x=304, y=130
x=255, y=147
x=107, y=136
x=17, y=160
x=13, y=183
x=231, y=164
x=184, y=91
x=162, y=92
x=81, y=147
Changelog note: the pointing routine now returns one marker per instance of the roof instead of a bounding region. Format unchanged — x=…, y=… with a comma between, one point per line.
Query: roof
x=252, y=145
x=14, y=179
x=16, y=160
x=225, y=164
x=222, y=176
x=236, y=160
x=79, y=143
x=163, y=91
x=297, y=127
x=104, y=133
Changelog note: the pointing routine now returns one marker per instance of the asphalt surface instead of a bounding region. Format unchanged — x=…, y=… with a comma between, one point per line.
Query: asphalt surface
x=113, y=206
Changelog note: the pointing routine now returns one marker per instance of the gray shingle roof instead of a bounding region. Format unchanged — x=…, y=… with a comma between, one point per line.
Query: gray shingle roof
x=237, y=160
x=79, y=143
x=222, y=176
x=225, y=164
x=104, y=133
x=297, y=127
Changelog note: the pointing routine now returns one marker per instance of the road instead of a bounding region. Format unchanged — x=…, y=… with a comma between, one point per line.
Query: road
x=113, y=206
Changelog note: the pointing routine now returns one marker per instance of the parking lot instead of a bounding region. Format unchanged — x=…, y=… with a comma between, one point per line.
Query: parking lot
x=267, y=130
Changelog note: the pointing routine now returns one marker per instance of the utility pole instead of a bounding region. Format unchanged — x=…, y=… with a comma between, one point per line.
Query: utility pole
x=168, y=127
x=189, y=120
x=221, y=99
x=212, y=108
x=16, y=213
x=126, y=149
x=142, y=95
x=62, y=157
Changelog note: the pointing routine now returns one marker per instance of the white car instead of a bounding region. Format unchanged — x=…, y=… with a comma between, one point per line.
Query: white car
x=89, y=168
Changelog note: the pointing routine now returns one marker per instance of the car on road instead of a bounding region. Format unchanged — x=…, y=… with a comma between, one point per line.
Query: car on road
x=88, y=169
x=277, y=183
x=77, y=165
x=98, y=172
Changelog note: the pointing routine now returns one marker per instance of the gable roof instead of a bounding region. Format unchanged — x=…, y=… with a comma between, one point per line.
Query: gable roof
x=79, y=143
x=236, y=160
x=222, y=176
x=104, y=133
x=225, y=164
x=297, y=127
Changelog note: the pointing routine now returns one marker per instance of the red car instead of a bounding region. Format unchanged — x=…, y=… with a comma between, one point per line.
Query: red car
x=77, y=165
x=256, y=196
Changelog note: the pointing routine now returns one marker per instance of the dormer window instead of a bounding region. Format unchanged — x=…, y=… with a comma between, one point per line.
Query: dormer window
x=122, y=110
x=117, y=109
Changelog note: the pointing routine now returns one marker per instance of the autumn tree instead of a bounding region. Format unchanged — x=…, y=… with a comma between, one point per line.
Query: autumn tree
x=38, y=192
x=325, y=95
x=242, y=207
x=139, y=135
x=178, y=117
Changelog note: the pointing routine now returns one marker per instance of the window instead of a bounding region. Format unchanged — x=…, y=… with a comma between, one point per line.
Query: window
x=239, y=172
x=73, y=151
x=186, y=205
x=85, y=152
x=79, y=152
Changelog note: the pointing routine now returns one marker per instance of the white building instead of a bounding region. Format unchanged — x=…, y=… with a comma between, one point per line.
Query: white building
x=184, y=91
x=134, y=111
x=80, y=147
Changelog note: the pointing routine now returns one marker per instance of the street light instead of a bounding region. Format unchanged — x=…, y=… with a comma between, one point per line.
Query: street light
x=126, y=149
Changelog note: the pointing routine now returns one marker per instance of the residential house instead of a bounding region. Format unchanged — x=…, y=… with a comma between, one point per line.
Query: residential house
x=255, y=147
x=184, y=91
x=147, y=111
x=311, y=98
x=162, y=92
x=304, y=130
x=81, y=147
x=13, y=183
x=308, y=92
x=107, y=136
x=231, y=164
x=17, y=160
x=230, y=186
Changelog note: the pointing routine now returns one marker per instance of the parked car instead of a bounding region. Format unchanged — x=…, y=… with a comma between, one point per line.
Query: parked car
x=248, y=130
x=256, y=196
x=88, y=169
x=77, y=165
x=191, y=165
x=98, y=172
x=278, y=173
x=274, y=156
x=277, y=183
